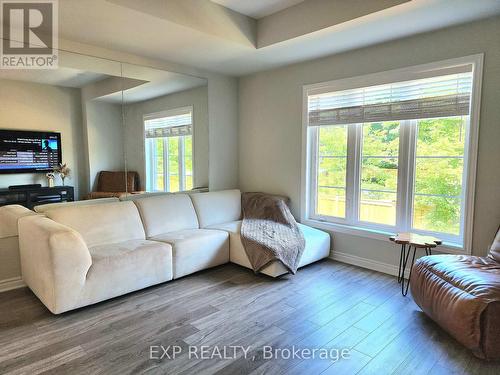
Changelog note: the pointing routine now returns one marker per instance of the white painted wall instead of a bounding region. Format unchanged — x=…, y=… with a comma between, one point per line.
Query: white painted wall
x=105, y=134
x=223, y=118
x=134, y=130
x=270, y=120
x=33, y=106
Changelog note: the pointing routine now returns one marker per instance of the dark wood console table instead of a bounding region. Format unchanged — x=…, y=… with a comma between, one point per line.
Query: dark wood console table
x=31, y=197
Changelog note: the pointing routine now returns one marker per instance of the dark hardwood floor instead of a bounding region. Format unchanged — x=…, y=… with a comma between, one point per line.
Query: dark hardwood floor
x=326, y=305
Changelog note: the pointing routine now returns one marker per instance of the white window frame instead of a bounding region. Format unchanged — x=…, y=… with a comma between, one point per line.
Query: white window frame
x=452, y=244
x=166, y=183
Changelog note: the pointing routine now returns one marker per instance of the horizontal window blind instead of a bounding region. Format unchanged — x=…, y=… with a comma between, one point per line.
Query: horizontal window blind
x=440, y=96
x=169, y=126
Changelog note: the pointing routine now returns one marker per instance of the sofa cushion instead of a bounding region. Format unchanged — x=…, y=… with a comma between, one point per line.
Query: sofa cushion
x=101, y=224
x=196, y=249
x=123, y=267
x=167, y=213
x=51, y=206
x=317, y=247
x=217, y=207
x=462, y=294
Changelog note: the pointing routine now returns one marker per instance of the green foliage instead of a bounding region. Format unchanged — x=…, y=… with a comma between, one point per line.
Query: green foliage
x=379, y=170
x=439, y=168
x=438, y=171
x=332, y=156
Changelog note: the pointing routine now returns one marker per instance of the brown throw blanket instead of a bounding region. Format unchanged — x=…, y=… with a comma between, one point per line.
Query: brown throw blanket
x=269, y=232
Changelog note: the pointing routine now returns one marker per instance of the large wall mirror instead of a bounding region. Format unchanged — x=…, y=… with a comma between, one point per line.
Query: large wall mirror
x=60, y=115
x=120, y=128
x=166, y=130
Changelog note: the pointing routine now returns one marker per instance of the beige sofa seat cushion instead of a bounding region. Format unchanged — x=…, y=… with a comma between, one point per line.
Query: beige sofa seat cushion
x=123, y=267
x=196, y=249
x=317, y=247
x=167, y=213
x=101, y=223
x=217, y=207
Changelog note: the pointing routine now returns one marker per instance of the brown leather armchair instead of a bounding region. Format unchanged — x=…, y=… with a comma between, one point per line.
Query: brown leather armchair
x=462, y=294
x=112, y=184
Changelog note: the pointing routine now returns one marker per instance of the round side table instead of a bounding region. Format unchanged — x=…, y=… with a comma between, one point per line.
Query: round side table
x=409, y=241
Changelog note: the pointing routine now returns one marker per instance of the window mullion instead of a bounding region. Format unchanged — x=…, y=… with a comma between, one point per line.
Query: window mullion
x=410, y=188
x=466, y=184
x=154, y=158
x=149, y=163
x=353, y=162
x=402, y=211
x=181, y=166
x=314, y=171
x=166, y=177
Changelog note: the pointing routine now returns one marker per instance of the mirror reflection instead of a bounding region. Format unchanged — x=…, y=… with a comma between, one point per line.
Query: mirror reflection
x=166, y=130
x=118, y=129
x=48, y=117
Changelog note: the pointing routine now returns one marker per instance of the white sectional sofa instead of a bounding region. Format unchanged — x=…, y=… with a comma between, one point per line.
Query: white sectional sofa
x=77, y=255
x=10, y=265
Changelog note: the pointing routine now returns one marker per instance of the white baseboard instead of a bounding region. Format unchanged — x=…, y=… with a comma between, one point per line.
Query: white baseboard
x=13, y=283
x=370, y=264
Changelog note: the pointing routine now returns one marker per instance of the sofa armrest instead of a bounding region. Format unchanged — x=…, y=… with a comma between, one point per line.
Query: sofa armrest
x=54, y=261
x=9, y=216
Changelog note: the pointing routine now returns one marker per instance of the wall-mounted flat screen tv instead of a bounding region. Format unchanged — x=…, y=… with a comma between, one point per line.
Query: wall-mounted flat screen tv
x=29, y=151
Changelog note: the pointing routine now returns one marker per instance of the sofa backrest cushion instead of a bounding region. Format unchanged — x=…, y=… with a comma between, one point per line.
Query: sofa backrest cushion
x=495, y=247
x=217, y=207
x=167, y=213
x=43, y=208
x=101, y=224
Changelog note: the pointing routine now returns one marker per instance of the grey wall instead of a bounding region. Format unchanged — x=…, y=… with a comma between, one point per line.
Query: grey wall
x=105, y=137
x=134, y=134
x=33, y=106
x=223, y=118
x=270, y=121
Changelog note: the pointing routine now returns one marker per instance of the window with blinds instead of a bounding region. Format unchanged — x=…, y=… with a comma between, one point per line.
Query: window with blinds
x=169, y=150
x=169, y=124
x=391, y=151
x=440, y=96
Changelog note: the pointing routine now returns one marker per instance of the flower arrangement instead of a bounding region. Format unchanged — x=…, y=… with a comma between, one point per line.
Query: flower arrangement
x=63, y=171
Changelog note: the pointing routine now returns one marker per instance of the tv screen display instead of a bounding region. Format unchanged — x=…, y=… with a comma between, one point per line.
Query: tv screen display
x=29, y=151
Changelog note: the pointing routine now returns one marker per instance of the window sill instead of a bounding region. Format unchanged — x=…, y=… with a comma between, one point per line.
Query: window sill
x=446, y=247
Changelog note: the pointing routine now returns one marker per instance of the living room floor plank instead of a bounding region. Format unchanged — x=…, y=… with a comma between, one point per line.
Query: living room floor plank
x=326, y=305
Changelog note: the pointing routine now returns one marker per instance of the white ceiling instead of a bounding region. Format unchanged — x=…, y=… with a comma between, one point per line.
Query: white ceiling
x=109, y=23
x=257, y=8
